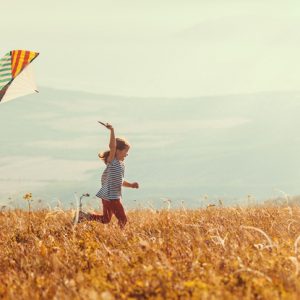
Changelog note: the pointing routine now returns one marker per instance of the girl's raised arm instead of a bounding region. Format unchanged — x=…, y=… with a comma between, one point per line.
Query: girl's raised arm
x=112, y=143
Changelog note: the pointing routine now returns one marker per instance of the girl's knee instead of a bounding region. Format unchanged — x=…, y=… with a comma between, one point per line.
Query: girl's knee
x=105, y=219
x=122, y=221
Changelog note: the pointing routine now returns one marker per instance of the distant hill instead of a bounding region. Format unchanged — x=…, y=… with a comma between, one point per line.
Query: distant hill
x=225, y=147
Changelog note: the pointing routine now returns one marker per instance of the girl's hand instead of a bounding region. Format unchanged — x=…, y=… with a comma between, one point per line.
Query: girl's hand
x=135, y=185
x=109, y=126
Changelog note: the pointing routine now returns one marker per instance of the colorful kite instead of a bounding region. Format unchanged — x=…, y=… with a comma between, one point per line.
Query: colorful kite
x=16, y=74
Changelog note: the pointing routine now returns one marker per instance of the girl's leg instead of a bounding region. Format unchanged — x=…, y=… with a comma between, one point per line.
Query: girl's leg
x=95, y=217
x=107, y=213
x=119, y=212
x=82, y=217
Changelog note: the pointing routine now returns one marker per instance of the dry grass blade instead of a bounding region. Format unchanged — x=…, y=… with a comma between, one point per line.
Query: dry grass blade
x=255, y=272
x=296, y=244
x=270, y=243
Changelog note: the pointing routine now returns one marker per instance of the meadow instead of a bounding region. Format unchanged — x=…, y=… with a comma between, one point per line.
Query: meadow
x=207, y=253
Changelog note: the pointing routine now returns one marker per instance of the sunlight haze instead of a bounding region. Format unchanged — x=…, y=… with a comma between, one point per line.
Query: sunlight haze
x=159, y=48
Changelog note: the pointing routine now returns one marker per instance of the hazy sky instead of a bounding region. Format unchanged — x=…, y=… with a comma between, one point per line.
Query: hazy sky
x=158, y=48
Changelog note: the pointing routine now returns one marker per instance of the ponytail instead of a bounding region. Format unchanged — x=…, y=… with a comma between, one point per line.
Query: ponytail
x=121, y=145
x=104, y=156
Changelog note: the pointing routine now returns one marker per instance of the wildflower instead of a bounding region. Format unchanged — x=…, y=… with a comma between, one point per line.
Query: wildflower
x=27, y=196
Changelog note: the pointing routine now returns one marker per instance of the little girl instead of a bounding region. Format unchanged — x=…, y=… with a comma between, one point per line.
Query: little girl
x=112, y=181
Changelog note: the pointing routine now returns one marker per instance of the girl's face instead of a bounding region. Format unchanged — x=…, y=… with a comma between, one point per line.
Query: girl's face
x=121, y=154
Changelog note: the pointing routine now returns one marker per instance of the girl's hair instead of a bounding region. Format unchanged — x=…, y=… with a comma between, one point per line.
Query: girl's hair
x=121, y=145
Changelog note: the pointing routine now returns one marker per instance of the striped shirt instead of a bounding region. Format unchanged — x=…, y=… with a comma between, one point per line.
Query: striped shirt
x=111, y=180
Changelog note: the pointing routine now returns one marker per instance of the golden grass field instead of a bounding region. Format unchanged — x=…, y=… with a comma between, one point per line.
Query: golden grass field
x=213, y=253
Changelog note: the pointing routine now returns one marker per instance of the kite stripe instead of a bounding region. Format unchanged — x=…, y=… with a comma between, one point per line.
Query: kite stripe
x=5, y=76
x=22, y=62
x=21, y=59
x=13, y=58
x=5, y=61
x=32, y=56
x=5, y=73
x=4, y=84
x=16, y=56
x=3, y=91
x=5, y=69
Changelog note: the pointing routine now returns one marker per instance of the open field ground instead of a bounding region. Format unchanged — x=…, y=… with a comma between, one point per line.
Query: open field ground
x=213, y=253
